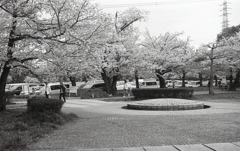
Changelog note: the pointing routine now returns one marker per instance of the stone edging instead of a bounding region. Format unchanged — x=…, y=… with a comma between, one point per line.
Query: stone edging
x=166, y=105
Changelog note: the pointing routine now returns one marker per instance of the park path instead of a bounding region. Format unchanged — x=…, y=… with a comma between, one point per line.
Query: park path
x=106, y=126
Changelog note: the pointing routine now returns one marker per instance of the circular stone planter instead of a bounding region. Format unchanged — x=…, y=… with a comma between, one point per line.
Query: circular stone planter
x=169, y=104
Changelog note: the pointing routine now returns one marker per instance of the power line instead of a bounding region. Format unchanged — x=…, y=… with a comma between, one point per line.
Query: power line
x=153, y=3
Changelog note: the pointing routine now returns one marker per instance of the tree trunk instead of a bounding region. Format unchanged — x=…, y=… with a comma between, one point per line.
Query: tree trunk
x=159, y=74
x=183, y=78
x=211, y=92
x=114, y=85
x=7, y=67
x=107, y=82
x=200, y=79
x=73, y=80
x=231, y=86
x=216, y=80
x=136, y=79
x=236, y=81
x=161, y=81
x=3, y=81
x=110, y=82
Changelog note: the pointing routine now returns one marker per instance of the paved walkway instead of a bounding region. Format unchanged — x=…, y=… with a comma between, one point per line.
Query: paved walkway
x=234, y=146
x=107, y=126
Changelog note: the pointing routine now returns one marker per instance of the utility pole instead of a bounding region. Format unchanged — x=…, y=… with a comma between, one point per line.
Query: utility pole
x=225, y=15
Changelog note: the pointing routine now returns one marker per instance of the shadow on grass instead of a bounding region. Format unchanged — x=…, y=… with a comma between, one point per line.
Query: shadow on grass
x=19, y=129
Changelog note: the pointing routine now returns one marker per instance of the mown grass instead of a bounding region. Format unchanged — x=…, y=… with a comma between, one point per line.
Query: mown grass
x=219, y=97
x=18, y=129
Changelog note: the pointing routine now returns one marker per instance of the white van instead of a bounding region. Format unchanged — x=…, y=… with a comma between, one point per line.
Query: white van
x=193, y=84
x=21, y=88
x=54, y=87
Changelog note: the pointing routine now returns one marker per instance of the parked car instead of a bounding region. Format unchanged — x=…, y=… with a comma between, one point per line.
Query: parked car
x=193, y=84
x=179, y=84
x=21, y=88
x=150, y=84
x=54, y=87
x=73, y=89
x=205, y=83
x=120, y=85
x=169, y=83
x=133, y=84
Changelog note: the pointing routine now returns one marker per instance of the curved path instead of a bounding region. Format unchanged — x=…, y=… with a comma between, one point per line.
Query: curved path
x=106, y=126
x=113, y=108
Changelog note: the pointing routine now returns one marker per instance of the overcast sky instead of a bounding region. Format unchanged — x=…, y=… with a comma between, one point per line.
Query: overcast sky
x=199, y=19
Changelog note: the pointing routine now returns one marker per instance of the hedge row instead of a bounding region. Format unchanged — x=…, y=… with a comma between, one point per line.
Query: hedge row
x=183, y=93
x=91, y=93
x=44, y=105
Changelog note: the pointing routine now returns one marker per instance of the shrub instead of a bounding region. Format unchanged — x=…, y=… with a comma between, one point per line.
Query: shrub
x=44, y=105
x=8, y=96
x=183, y=93
x=20, y=126
x=39, y=97
x=22, y=96
x=122, y=93
x=91, y=93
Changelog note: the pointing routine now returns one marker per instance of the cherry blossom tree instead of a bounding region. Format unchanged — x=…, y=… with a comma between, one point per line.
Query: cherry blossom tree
x=30, y=28
x=112, y=55
x=185, y=61
x=213, y=55
x=104, y=53
x=161, y=53
x=232, y=46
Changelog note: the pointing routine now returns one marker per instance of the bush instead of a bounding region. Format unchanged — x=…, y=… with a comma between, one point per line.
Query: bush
x=44, y=105
x=122, y=93
x=91, y=93
x=39, y=97
x=183, y=93
x=20, y=126
x=21, y=96
x=8, y=95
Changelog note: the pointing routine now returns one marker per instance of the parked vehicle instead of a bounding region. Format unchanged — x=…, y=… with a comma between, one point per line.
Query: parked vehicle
x=150, y=84
x=179, y=84
x=133, y=84
x=21, y=88
x=120, y=85
x=193, y=84
x=205, y=83
x=54, y=87
x=169, y=83
x=73, y=89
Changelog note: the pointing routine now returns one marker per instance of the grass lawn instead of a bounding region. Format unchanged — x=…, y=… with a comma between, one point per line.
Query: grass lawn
x=19, y=129
x=221, y=97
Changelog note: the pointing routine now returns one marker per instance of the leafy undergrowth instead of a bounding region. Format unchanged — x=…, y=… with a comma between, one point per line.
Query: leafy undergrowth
x=19, y=129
